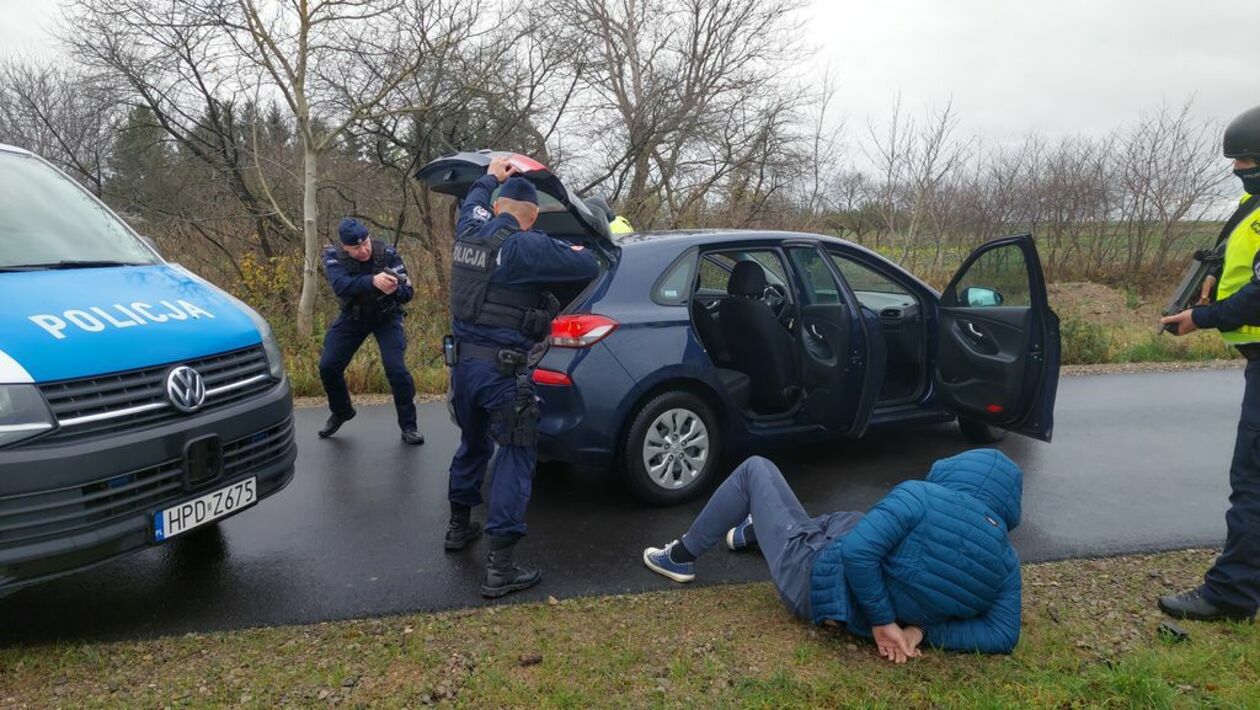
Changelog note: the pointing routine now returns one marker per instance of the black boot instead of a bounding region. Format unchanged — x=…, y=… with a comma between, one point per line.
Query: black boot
x=413, y=437
x=334, y=423
x=1191, y=605
x=502, y=576
x=461, y=530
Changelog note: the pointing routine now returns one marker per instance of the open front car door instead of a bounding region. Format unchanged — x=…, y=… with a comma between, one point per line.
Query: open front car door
x=997, y=347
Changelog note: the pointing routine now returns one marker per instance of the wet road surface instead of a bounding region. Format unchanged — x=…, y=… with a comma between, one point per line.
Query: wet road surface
x=1139, y=463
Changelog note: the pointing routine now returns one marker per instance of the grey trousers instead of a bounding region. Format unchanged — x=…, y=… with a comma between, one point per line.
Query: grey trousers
x=788, y=537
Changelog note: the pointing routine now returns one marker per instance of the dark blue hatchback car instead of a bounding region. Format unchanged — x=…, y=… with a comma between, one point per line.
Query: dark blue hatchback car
x=692, y=344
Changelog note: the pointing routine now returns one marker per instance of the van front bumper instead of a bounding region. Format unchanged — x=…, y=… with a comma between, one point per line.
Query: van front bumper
x=68, y=506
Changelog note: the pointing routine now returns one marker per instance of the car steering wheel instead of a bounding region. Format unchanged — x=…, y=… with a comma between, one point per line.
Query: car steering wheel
x=775, y=296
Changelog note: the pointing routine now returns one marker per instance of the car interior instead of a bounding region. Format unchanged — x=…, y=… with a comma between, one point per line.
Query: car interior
x=747, y=314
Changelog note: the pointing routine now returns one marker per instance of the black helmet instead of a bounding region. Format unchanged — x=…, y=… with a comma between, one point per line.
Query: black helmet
x=1242, y=135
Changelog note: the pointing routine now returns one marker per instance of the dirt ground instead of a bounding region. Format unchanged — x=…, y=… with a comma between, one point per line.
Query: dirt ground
x=1104, y=305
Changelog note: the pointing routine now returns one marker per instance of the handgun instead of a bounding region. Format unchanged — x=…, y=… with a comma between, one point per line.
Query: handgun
x=400, y=278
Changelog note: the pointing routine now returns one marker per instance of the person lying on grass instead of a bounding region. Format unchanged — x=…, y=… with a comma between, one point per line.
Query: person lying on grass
x=929, y=563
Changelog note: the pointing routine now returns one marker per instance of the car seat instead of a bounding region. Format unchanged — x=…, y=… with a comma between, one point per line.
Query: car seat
x=759, y=345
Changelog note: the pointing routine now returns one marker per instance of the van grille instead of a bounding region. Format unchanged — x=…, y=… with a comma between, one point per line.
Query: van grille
x=31, y=517
x=110, y=404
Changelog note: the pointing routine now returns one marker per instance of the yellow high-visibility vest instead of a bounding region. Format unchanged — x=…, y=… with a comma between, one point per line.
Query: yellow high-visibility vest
x=1237, y=271
x=620, y=225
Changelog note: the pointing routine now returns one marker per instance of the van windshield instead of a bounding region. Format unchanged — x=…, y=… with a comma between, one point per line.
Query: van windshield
x=49, y=221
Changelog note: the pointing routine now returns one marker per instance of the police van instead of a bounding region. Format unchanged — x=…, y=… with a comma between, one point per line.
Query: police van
x=138, y=402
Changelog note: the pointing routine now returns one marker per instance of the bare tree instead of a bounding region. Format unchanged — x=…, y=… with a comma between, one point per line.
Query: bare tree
x=679, y=96
x=59, y=113
x=172, y=58
x=333, y=63
x=502, y=88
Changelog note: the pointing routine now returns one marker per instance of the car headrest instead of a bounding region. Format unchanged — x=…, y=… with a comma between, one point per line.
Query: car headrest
x=748, y=279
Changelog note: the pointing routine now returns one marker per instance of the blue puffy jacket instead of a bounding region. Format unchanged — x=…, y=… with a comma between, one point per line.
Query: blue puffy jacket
x=934, y=554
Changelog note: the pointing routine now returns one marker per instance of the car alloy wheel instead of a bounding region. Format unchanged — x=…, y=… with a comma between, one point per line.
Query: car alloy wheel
x=675, y=448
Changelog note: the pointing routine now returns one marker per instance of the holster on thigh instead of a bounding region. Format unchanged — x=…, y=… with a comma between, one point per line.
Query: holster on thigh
x=516, y=422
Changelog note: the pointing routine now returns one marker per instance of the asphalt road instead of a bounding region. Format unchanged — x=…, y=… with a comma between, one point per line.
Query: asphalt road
x=1139, y=463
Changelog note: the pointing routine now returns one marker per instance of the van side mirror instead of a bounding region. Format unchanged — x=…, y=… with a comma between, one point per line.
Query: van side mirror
x=152, y=244
x=977, y=297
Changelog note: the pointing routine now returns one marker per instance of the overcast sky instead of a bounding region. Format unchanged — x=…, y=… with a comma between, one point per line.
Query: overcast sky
x=1010, y=66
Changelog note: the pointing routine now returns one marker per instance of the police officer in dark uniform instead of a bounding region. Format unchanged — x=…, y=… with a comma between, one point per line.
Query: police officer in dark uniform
x=500, y=310
x=1231, y=588
x=371, y=282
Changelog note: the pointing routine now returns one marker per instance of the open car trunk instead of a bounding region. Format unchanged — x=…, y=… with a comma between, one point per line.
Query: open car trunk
x=561, y=213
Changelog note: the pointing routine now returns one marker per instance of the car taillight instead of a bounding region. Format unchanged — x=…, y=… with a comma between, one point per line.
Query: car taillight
x=551, y=377
x=580, y=331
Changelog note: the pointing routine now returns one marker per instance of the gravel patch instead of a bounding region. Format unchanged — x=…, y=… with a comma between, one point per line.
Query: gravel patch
x=1139, y=367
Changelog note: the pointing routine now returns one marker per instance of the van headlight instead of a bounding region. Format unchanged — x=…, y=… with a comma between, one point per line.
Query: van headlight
x=271, y=347
x=23, y=413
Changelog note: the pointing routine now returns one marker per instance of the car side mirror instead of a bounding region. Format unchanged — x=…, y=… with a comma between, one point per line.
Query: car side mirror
x=977, y=297
x=152, y=244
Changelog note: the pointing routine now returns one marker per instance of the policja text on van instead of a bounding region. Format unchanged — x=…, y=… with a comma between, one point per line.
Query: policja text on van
x=95, y=319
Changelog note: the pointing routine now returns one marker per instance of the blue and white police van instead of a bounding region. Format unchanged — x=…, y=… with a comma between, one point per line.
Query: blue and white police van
x=137, y=401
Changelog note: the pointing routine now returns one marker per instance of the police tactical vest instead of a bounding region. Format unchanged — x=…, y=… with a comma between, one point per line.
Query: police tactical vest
x=365, y=303
x=476, y=299
x=1237, y=271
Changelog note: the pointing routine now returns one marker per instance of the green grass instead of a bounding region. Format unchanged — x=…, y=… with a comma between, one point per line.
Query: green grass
x=1089, y=640
x=1086, y=343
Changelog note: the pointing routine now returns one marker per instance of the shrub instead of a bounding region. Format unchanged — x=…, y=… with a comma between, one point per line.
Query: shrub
x=1083, y=342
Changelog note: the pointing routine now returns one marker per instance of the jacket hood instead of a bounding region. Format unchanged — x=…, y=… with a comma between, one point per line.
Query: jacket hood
x=987, y=475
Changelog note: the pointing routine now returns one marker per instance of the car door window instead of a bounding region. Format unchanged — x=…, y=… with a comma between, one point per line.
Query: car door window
x=999, y=277
x=671, y=287
x=716, y=268
x=873, y=289
x=818, y=285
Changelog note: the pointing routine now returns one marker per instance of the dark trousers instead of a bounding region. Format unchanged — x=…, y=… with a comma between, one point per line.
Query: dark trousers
x=788, y=537
x=341, y=343
x=1235, y=578
x=478, y=390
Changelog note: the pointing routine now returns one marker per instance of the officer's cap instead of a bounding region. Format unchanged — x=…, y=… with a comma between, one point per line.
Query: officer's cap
x=352, y=231
x=519, y=189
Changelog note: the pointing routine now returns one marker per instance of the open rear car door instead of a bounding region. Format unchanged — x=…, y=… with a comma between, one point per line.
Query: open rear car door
x=997, y=348
x=561, y=213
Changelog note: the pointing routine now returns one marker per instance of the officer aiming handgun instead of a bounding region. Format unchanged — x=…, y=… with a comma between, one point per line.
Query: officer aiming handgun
x=370, y=280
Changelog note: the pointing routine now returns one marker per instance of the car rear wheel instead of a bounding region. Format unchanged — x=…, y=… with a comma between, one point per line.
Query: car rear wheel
x=978, y=432
x=671, y=449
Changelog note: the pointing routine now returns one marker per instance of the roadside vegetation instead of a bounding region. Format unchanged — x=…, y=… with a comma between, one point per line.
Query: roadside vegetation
x=1090, y=639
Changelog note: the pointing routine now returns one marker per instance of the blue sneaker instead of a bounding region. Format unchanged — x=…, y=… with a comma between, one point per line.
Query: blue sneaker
x=657, y=559
x=741, y=537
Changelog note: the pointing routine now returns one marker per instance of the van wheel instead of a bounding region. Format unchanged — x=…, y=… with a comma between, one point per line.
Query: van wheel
x=672, y=448
x=978, y=432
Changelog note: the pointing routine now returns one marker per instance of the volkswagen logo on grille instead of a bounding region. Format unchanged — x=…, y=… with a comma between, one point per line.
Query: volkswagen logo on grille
x=185, y=389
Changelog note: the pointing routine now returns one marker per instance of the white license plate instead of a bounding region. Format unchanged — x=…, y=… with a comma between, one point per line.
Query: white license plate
x=199, y=511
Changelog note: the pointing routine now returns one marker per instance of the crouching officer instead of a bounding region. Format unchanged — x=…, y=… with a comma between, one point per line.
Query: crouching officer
x=500, y=310
x=371, y=282
x=1231, y=588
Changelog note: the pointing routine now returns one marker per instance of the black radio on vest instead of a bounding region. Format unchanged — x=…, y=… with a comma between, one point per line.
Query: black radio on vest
x=475, y=299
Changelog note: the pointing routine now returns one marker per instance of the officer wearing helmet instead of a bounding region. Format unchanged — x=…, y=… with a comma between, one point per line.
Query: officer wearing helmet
x=1231, y=588
x=371, y=283
x=500, y=311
